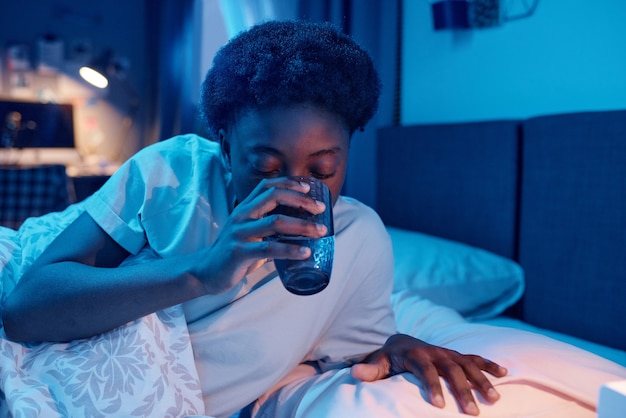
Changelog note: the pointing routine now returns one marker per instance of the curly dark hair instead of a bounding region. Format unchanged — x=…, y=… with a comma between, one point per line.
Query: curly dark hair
x=280, y=63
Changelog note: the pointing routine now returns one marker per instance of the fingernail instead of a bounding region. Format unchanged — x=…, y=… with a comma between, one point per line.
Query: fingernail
x=493, y=394
x=438, y=401
x=303, y=250
x=306, y=186
x=321, y=228
x=471, y=408
x=320, y=204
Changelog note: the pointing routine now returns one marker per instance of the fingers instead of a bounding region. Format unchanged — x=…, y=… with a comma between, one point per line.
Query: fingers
x=463, y=373
x=458, y=378
x=270, y=193
x=287, y=225
x=376, y=369
x=249, y=244
x=474, y=372
x=367, y=372
x=241, y=246
x=429, y=376
x=429, y=363
x=227, y=261
x=256, y=265
x=429, y=371
x=261, y=251
x=254, y=219
x=490, y=367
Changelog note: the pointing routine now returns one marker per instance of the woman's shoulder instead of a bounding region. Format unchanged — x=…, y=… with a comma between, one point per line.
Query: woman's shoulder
x=187, y=144
x=349, y=213
x=180, y=156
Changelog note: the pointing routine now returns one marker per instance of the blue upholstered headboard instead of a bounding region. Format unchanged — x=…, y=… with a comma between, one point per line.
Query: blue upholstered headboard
x=549, y=192
x=458, y=181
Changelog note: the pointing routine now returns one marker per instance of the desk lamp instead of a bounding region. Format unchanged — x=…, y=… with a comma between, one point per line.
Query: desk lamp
x=109, y=72
x=98, y=72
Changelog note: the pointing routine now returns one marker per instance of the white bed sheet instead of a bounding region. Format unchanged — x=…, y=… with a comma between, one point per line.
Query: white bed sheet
x=547, y=378
x=613, y=354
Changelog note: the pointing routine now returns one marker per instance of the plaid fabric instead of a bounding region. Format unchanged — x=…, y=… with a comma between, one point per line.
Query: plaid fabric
x=34, y=191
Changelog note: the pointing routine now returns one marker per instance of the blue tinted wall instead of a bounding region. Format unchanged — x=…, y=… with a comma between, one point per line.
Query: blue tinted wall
x=570, y=55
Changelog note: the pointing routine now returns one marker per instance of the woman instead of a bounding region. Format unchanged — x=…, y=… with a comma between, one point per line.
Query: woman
x=282, y=99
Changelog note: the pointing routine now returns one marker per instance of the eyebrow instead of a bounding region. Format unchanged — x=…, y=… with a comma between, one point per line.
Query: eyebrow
x=274, y=151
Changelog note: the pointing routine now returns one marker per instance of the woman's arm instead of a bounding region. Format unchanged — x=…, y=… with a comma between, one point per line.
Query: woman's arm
x=75, y=288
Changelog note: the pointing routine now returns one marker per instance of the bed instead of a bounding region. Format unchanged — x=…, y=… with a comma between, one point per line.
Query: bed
x=531, y=214
x=547, y=192
x=493, y=236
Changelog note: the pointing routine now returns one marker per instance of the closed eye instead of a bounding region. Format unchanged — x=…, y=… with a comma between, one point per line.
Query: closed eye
x=264, y=165
x=322, y=176
x=266, y=173
x=324, y=167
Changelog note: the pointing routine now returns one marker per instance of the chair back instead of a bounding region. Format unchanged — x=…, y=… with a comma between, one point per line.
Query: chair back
x=32, y=191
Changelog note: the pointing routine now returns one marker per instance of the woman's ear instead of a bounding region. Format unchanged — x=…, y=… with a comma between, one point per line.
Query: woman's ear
x=225, y=148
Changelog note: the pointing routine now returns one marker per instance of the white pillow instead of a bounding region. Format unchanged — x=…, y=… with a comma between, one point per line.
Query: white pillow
x=475, y=282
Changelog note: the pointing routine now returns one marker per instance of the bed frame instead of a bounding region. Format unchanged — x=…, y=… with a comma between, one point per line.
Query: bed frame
x=548, y=192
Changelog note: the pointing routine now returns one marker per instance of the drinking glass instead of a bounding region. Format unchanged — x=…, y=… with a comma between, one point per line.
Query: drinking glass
x=312, y=275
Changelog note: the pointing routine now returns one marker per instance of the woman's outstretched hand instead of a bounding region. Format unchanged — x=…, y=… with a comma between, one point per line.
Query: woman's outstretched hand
x=403, y=353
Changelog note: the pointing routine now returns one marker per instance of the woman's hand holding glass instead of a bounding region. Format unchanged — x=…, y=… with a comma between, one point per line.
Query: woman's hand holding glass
x=240, y=247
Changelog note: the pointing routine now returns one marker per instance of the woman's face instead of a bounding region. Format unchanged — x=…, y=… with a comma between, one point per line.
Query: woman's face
x=286, y=141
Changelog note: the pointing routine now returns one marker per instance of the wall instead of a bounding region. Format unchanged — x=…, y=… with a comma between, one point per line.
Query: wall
x=374, y=27
x=569, y=56
x=102, y=122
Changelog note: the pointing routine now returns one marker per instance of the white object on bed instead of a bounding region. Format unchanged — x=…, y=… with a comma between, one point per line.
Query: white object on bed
x=476, y=283
x=613, y=354
x=155, y=370
x=547, y=378
x=612, y=403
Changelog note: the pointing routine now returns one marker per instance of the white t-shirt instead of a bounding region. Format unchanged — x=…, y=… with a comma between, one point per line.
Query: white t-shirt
x=175, y=196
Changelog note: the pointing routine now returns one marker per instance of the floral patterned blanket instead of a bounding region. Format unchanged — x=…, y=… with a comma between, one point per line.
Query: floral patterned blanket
x=144, y=368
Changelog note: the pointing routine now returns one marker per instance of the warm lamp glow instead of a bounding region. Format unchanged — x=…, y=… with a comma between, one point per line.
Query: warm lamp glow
x=93, y=77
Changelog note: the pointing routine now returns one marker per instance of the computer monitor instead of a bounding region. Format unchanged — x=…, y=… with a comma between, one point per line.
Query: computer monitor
x=38, y=133
x=37, y=125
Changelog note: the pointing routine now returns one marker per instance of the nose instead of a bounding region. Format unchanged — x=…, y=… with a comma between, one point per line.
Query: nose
x=297, y=172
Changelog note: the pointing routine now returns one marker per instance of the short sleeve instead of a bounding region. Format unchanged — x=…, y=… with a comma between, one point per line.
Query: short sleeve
x=153, y=182
x=117, y=207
